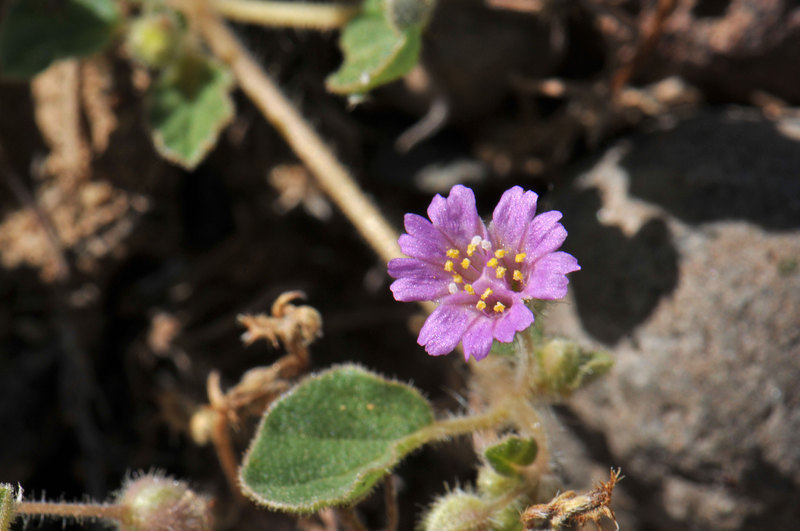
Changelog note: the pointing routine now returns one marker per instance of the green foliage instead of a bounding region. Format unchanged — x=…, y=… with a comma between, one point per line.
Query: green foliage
x=330, y=440
x=7, y=503
x=563, y=366
x=510, y=454
x=188, y=106
x=376, y=51
x=34, y=33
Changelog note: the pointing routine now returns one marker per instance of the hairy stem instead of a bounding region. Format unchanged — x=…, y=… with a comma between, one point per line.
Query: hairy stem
x=287, y=14
x=71, y=510
x=331, y=175
x=444, y=429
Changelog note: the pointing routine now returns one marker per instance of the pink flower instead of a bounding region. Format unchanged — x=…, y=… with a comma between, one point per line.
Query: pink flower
x=481, y=277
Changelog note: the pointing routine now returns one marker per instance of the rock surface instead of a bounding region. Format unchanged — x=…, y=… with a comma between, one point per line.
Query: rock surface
x=689, y=239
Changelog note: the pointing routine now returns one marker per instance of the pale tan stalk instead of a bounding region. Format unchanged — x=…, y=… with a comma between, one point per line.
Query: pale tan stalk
x=286, y=14
x=333, y=178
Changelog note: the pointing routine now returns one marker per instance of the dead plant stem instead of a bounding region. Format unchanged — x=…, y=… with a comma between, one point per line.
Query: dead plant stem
x=333, y=178
x=311, y=15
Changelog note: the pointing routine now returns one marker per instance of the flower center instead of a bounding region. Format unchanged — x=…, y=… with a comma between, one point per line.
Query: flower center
x=467, y=266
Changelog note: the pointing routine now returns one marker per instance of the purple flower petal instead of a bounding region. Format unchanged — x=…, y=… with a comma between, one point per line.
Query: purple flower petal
x=417, y=280
x=444, y=328
x=457, y=217
x=423, y=241
x=477, y=340
x=546, y=280
x=516, y=319
x=544, y=235
x=512, y=216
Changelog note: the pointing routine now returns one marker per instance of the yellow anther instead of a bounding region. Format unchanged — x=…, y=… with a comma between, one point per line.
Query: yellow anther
x=465, y=263
x=519, y=257
x=452, y=253
x=486, y=294
x=499, y=307
x=518, y=275
x=500, y=253
x=448, y=266
x=469, y=289
x=492, y=262
x=501, y=271
x=458, y=279
x=471, y=249
x=480, y=305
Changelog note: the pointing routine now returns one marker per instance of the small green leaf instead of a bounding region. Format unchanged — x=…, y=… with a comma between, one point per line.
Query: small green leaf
x=510, y=454
x=188, y=106
x=34, y=33
x=7, y=504
x=563, y=366
x=375, y=51
x=330, y=439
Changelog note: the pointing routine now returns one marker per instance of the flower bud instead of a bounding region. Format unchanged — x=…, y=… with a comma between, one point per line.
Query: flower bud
x=153, y=39
x=157, y=503
x=562, y=366
x=7, y=505
x=457, y=511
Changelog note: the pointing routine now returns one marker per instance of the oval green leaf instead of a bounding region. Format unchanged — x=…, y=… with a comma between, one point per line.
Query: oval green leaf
x=331, y=439
x=34, y=33
x=375, y=52
x=510, y=454
x=188, y=106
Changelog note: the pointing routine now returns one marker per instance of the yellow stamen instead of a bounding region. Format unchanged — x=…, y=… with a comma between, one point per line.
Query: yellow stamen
x=501, y=271
x=486, y=294
x=471, y=249
x=499, y=307
x=518, y=275
x=452, y=253
x=492, y=262
x=500, y=253
x=519, y=257
x=465, y=263
x=448, y=266
x=480, y=305
x=469, y=289
x=458, y=279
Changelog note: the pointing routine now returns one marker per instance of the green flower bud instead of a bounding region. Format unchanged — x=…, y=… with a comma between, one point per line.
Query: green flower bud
x=156, y=503
x=7, y=506
x=457, y=511
x=562, y=366
x=494, y=485
x=153, y=39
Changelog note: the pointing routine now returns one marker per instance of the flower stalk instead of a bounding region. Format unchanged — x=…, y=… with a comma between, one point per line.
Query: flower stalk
x=307, y=15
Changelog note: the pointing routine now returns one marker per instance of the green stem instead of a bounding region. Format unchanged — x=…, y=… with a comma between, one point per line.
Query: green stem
x=444, y=429
x=71, y=510
x=287, y=14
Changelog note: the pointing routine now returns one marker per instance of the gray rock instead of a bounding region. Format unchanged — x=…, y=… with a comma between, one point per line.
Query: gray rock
x=689, y=240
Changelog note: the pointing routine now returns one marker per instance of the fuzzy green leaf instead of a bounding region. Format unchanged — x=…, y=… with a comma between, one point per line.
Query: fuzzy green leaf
x=331, y=439
x=375, y=51
x=7, y=505
x=34, y=33
x=188, y=106
x=510, y=454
